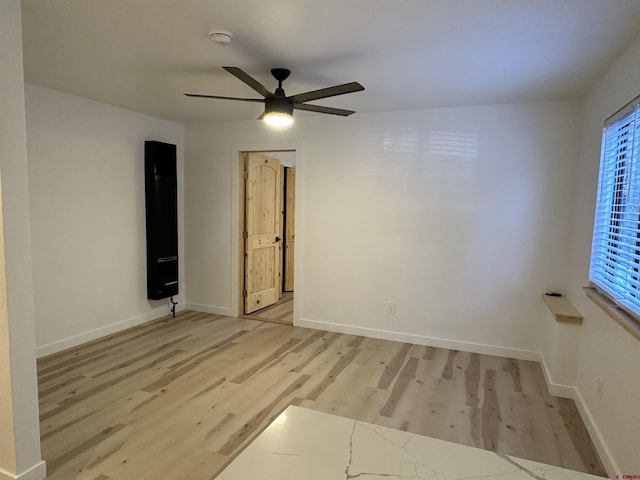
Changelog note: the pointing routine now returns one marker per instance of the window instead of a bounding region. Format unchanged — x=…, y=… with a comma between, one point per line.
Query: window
x=615, y=254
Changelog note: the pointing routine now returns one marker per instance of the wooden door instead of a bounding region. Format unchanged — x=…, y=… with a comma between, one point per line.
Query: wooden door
x=262, y=227
x=289, y=229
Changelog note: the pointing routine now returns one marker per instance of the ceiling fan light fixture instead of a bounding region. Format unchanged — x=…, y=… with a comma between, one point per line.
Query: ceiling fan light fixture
x=278, y=112
x=278, y=119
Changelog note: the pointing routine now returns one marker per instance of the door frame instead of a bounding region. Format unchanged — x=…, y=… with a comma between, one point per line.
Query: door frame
x=237, y=222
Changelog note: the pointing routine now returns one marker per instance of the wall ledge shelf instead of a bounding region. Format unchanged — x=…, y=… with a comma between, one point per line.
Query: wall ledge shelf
x=562, y=309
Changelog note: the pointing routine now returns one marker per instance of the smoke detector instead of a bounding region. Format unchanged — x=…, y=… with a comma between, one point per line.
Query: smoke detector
x=221, y=37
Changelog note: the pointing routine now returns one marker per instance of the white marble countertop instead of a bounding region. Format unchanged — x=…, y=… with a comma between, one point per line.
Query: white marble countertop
x=303, y=444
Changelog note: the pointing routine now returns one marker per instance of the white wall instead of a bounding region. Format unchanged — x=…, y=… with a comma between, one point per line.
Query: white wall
x=606, y=349
x=19, y=427
x=86, y=178
x=209, y=167
x=560, y=352
x=459, y=215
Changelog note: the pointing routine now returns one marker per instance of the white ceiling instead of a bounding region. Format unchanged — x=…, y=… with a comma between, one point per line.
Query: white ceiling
x=143, y=54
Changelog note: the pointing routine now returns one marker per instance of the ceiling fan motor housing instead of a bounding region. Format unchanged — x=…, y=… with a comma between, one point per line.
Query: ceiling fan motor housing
x=278, y=104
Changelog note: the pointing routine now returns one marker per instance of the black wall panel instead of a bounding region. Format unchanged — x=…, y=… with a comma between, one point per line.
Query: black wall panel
x=161, y=202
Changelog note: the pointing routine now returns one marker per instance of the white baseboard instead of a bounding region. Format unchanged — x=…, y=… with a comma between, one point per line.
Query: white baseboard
x=85, y=337
x=36, y=472
x=209, y=309
x=556, y=389
x=421, y=340
x=608, y=461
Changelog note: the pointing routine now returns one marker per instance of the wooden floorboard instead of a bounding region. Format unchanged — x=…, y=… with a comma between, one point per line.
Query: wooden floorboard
x=280, y=312
x=179, y=397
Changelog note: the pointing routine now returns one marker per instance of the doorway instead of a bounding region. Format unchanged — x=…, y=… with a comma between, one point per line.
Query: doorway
x=266, y=236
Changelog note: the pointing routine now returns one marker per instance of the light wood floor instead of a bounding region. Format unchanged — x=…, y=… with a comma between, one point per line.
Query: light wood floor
x=281, y=312
x=178, y=398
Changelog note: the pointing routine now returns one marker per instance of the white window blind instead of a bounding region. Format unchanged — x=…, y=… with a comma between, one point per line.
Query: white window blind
x=615, y=254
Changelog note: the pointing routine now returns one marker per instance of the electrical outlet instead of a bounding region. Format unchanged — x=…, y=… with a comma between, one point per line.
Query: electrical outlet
x=391, y=308
x=600, y=387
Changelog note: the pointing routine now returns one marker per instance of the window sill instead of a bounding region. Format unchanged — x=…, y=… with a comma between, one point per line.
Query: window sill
x=563, y=310
x=622, y=317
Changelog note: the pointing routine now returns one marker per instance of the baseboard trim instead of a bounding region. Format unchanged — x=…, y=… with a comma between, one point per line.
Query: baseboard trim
x=36, y=472
x=607, y=458
x=85, y=337
x=209, y=309
x=556, y=389
x=516, y=353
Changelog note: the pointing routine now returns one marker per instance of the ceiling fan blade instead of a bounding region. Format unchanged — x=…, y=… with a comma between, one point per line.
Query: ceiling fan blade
x=327, y=92
x=320, y=109
x=249, y=80
x=256, y=100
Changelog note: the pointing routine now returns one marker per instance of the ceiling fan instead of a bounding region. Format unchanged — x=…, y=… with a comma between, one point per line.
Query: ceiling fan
x=278, y=108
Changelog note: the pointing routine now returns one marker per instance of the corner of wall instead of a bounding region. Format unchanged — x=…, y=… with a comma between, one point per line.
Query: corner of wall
x=555, y=389
x=559, y=355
